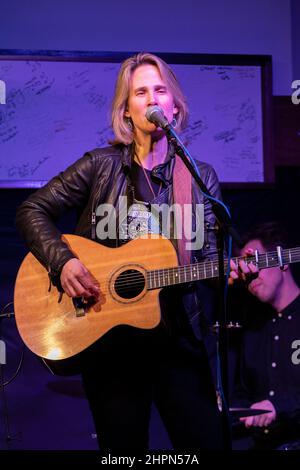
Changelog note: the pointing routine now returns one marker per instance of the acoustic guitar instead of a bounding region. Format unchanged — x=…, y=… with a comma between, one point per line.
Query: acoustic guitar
x=56, y=327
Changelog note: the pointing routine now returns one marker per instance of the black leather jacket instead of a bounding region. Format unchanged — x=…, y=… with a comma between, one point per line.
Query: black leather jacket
x=100, y=176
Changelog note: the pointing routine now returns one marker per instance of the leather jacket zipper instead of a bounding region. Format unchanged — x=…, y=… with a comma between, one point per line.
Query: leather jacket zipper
x=93, y=214
x=93, y=227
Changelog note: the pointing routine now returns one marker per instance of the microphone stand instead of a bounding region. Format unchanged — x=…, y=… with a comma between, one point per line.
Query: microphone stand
x=223, y=226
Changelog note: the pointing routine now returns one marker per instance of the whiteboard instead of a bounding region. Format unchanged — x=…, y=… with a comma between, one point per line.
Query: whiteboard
x=57, y=108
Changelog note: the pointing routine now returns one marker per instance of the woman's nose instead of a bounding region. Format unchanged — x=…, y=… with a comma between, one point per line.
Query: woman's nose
x=152, y=100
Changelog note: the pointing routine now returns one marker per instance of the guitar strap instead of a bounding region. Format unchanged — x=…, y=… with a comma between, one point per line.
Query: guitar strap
x=182, y=192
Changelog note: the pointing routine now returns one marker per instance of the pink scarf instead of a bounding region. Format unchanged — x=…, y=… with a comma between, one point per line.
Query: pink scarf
x=182, y=191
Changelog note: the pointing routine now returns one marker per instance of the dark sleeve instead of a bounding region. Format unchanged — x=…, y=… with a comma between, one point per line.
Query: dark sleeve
x=210, y=179
x=288, y=406
x=36, y=216
x=241, y=396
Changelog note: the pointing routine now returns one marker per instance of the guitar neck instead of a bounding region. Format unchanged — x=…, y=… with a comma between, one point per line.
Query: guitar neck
x=209, y=269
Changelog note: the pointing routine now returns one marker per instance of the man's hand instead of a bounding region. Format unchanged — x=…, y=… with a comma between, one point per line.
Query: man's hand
x=261, y=420
x=77, y=281
x=243, y=271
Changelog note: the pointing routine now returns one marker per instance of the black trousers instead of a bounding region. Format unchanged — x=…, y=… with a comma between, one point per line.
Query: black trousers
x=130, y=368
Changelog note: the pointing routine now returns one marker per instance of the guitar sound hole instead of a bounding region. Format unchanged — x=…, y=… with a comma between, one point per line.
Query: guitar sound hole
x=129, y=284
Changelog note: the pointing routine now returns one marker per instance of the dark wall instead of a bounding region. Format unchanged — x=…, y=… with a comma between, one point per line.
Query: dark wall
x=279, y=202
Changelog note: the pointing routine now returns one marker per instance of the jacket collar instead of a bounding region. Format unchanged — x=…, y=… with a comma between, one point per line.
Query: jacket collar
x=162, y=172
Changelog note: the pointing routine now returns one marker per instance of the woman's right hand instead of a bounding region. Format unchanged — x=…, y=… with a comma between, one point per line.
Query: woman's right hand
x=77, y=281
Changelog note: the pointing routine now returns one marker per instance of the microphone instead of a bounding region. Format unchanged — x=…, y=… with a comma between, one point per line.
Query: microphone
x=156, y=115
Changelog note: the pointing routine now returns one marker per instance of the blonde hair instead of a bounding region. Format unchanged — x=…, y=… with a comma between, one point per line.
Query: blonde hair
x=122, y=126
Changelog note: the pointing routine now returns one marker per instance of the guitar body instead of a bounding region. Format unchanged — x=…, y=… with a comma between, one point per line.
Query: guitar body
x=56, y=329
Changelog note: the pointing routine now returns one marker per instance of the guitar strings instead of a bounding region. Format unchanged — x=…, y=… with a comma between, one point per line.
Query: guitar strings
x=200, y=269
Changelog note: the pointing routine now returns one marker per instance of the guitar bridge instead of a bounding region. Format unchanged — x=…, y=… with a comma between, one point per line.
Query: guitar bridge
x=80, y=306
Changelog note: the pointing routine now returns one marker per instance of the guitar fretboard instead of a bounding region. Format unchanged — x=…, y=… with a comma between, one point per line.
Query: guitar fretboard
x=209, y=269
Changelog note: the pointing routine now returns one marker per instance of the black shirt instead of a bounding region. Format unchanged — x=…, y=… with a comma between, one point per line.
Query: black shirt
x=270, y=365
x=141, y=217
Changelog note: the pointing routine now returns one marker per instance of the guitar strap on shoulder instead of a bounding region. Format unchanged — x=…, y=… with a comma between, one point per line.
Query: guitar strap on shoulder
x=182, y=191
